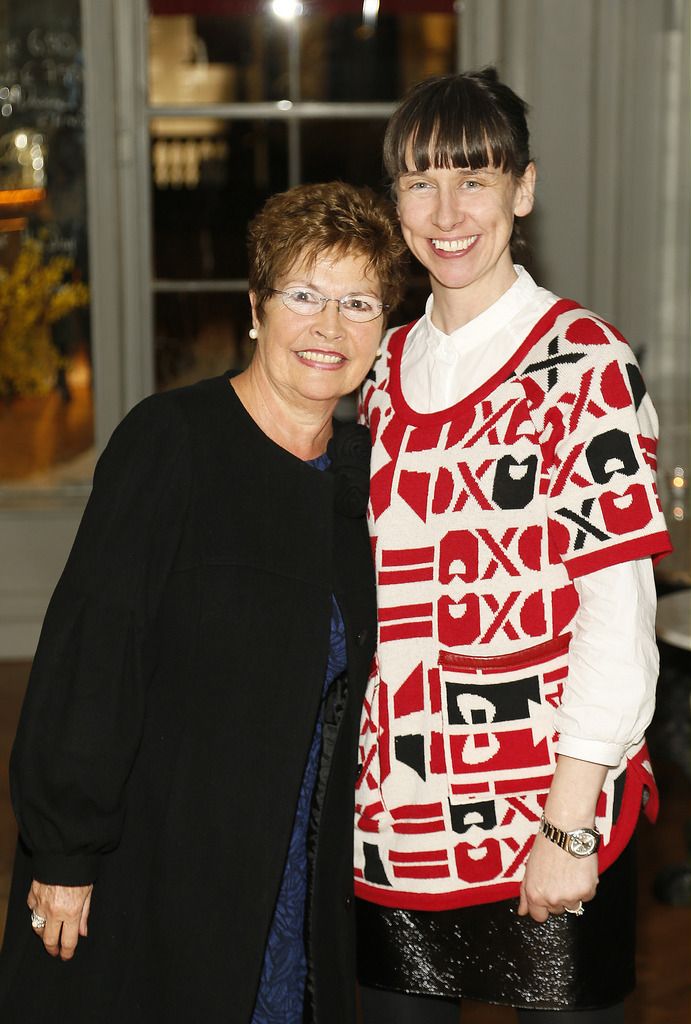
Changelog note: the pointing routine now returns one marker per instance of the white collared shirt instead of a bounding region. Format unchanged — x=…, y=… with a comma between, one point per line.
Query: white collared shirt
x=440, y=369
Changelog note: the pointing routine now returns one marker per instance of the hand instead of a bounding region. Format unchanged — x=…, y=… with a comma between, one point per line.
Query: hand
x=66, y=910
x=554, y=879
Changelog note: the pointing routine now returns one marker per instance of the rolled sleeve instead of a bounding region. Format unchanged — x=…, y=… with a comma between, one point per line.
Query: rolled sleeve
x=613, y=664
x=591, y=750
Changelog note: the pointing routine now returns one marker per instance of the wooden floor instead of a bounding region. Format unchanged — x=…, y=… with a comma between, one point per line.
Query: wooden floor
x=664, y=990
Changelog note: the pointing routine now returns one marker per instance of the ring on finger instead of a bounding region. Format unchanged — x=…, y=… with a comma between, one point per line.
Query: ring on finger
x=577, y=911
x=37, y=921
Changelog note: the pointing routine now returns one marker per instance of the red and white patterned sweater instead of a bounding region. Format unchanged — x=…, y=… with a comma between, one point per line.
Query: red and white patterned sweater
x=481, y=516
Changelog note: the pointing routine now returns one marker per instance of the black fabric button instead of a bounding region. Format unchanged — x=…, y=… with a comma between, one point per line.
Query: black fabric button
x=361, y=637
x=348, y=900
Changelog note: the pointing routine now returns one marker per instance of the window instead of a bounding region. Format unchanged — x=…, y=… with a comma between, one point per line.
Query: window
x=246, y=99
x=46, y=404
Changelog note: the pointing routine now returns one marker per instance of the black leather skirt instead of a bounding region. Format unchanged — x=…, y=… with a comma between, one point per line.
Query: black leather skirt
x=490, y=954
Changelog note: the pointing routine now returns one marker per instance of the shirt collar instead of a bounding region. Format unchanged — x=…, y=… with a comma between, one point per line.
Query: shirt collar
x=483, y=326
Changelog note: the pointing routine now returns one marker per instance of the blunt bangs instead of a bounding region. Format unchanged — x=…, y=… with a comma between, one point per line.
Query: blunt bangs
x=470, y=121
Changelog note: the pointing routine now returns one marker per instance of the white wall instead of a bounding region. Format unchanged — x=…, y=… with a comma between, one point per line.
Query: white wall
x=34, y=544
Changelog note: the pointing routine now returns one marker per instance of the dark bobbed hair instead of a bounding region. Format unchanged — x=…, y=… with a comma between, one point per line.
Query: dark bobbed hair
x=310, y=220
x=467, y=120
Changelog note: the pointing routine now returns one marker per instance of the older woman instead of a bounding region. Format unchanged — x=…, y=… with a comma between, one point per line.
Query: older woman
x=182, y=773
x=513, y=517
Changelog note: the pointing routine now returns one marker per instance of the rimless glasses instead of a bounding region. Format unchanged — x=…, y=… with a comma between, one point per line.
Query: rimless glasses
x=357, y=307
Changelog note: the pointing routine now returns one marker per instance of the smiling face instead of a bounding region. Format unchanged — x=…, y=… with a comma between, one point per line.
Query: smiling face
x=458, y=223
x=322, y=357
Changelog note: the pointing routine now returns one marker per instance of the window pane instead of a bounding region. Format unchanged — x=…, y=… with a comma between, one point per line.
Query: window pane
x=345, y=59
x=349, y=150
x=213, y=51
x=209, y=178
x=206, y=58
x=199, y=335
x=46, y=414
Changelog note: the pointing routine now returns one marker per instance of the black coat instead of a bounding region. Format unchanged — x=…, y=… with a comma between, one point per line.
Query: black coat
x=171, y=706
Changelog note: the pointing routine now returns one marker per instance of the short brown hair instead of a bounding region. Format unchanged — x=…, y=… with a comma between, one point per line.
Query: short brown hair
x=309, y=220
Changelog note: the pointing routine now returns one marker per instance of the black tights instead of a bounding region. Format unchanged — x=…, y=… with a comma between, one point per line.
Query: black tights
x=382, y=1007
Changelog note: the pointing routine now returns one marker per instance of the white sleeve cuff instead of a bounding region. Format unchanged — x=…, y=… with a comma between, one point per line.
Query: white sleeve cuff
x=609, y=697
x=596, y=751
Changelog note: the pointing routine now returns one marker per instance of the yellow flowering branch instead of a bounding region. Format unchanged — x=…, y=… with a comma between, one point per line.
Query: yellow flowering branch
x=33, y=295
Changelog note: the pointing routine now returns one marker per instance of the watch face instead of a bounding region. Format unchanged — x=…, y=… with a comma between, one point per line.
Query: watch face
x=582, y=842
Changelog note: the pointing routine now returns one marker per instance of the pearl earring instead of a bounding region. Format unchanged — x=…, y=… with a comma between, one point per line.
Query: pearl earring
x=378, y=354
x=253, y=334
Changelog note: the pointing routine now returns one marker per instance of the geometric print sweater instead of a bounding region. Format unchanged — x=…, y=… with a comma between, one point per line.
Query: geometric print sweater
x=481, y=516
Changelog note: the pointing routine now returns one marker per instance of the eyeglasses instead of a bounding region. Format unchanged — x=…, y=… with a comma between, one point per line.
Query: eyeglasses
x=357, y=307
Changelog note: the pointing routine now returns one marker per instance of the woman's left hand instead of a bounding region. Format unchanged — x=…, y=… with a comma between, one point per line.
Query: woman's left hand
x=555, y=880
x=65, y=910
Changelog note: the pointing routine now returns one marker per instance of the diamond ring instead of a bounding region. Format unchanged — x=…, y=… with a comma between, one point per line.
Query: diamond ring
x=37, y=921
x=578, y=911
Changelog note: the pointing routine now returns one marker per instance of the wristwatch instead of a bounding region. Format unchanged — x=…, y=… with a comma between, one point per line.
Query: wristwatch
x=581, y=842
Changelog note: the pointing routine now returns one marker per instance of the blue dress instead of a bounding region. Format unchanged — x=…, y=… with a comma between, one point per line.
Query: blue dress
x=282, y=985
